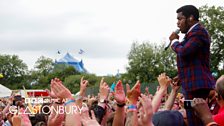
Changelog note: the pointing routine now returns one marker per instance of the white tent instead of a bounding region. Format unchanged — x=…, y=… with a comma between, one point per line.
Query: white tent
x=4, y=91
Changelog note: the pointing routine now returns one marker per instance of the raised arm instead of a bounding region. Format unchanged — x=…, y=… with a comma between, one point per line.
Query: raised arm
x=164, y=82
x=195, y=41
x=103, y=96
x=72, y=117
x=132, y=95
x=87, y=120
x=147, y=112
x=119, y=96
x=82, y=92
x=175, y=87
x=6, y=109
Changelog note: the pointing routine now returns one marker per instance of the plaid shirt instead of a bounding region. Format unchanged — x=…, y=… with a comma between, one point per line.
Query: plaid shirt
x=193, y=59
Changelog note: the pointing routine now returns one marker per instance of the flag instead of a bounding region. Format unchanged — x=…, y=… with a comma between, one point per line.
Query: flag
x=81, y=51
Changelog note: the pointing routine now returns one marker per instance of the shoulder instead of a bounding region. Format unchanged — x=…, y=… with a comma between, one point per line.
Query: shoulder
x=198, y=31
x=218, y=117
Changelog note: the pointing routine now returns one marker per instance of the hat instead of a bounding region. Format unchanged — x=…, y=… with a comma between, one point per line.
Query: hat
x=168, y=118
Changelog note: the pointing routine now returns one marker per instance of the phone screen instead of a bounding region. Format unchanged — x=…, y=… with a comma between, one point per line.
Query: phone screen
x=188, y=104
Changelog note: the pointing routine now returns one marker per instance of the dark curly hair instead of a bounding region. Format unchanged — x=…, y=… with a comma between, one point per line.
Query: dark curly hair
x=189, y=10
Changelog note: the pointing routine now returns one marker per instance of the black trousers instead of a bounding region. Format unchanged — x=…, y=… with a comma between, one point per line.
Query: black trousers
x=193, y=120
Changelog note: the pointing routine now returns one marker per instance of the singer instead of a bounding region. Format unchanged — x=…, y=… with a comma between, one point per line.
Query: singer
x=193, y=58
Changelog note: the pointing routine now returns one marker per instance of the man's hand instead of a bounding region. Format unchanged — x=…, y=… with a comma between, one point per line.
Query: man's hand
x=51, y=93
x=202, y=110
x=104, y=90
x=173, y=36
x=134, y=93
x=10, y=100
x=176, y=80
x=164, y=81
x=175, y=86
x=56, y=119
x=59, y=89
x=16, y=120
x=146, y=111
x=86, y=120
x=83, y=85
x=119, y=94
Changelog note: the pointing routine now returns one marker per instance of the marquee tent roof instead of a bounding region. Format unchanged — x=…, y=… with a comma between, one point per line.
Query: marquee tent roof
x=4, y=91
x=68, y=59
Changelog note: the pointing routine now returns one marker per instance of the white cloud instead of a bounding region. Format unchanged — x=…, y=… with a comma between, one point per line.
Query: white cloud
x=104, y=29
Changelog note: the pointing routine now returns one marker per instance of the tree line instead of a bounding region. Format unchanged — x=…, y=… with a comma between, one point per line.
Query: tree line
x=146, y=61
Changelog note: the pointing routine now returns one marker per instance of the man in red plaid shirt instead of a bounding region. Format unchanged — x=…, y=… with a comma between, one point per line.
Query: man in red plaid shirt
x=193, y=57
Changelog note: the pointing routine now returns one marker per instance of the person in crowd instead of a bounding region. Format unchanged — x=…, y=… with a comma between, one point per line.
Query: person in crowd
x=212, y=102
x=219, y=117
x=119, y=96
x=202, y=109
x=164, y=82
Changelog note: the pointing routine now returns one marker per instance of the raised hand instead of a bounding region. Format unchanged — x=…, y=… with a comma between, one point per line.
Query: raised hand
x=175, y=87
x=10, y=100
x=16, y=120
x=56, y=119
x=146, y=111
x=59, y=89
x=104, y=90
x=175, y=84
x=86, y=120
x=173, y=36
x=163, y=80
x=176, y=79
x=201, y=108
x=83, y=85
x=134, y=93
x=119, y=94
x=51, y=93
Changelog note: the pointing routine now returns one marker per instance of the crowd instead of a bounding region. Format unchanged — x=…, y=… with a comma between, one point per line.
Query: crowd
x=118, y=108
x=200, y=104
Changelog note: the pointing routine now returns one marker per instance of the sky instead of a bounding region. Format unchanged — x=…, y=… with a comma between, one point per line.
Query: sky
x=104, y=29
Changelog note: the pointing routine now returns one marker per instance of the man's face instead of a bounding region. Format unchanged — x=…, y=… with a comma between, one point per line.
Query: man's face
x=219, y=81
x=182, y=23
x=175, y=106
x=217, y=98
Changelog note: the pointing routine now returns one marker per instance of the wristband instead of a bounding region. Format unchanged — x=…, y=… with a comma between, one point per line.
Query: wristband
x=121, y=105
x=132, y=107
x=212, y=123
x=68, y=102
x=131, y=110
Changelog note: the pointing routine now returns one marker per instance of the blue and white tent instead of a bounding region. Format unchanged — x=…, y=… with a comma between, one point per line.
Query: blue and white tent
x=69, y=60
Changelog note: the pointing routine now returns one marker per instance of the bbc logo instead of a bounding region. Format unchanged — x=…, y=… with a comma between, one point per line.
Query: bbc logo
x=37, y=100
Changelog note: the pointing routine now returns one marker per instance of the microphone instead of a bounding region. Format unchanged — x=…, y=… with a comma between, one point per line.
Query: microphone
x=167, y=43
